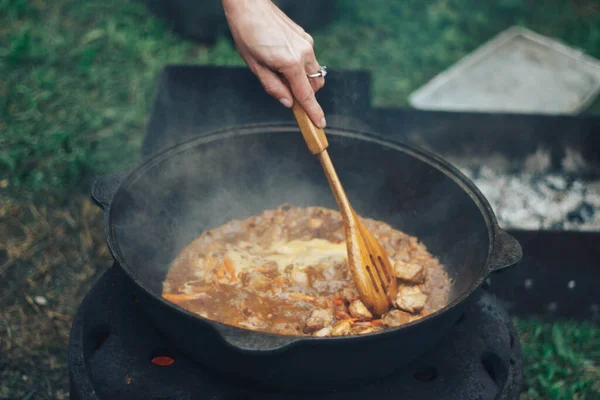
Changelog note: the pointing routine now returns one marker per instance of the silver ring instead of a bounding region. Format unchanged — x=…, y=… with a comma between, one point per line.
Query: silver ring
x=322, y=72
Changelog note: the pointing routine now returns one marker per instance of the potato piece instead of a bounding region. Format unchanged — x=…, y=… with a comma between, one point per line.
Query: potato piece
x=409, y=272
x=359, y=311
x=323, y=332
x=300, y=277
x=411, y=299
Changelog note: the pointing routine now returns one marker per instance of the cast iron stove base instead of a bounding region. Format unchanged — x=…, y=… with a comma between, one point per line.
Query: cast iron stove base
x=112, y=346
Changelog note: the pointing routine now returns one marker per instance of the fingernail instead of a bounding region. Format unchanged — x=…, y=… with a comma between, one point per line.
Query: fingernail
x=323, y=122
x=286, y=102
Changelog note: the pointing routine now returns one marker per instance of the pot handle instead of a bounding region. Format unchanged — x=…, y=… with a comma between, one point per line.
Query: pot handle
x=506, y=251
x=252, y=341
x=104, y=188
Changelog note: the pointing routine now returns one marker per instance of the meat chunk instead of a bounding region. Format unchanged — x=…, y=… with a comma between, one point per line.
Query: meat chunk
x=318, y=319
x=270, y=235
x=269, y=270
x=416, y=317
x=396, y=318
x=257, y=281
x=409, y=272
x=254, y=322
x=359, y=311
x=286, y=328
x=341, y=328
x=361, y=328
x=349, y=294
x=411, y=299
x=315, y=223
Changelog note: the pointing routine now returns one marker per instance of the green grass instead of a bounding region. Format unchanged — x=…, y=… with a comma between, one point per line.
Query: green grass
x=562, y=359
x=76, y=77
x=408, y=42
x=76, y=83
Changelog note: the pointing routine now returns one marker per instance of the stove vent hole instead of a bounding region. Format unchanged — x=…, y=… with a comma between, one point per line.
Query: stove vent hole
x=99, y=335
x=162, y=358
x=426, y=374
x=495, y=368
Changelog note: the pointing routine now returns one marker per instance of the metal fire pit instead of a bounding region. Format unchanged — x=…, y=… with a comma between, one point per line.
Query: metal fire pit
x=112, y=345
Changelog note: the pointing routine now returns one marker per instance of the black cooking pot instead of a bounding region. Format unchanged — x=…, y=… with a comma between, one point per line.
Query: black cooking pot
x=158, y=208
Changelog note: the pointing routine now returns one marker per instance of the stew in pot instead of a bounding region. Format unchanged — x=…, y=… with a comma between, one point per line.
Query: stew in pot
x=285, y=271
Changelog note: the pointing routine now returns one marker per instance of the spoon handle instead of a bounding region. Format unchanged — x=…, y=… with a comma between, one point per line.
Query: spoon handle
x=317, y=144
x=336, y=187
x=313, y=136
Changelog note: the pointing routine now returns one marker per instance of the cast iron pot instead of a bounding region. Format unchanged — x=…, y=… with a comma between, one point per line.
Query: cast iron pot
x=155, y=210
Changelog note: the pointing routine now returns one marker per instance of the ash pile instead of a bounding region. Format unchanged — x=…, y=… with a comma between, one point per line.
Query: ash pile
x=536, y=196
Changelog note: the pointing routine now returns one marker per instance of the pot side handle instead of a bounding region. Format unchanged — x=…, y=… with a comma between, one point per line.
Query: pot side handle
x=506, y=252
x=254, y=341
x=104, y=188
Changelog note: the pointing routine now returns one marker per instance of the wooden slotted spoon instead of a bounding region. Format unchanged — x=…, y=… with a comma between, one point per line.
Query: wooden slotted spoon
x=369, y=263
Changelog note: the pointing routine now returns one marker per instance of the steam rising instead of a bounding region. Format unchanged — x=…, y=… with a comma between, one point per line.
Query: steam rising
x=202, y=186
x=205, y=186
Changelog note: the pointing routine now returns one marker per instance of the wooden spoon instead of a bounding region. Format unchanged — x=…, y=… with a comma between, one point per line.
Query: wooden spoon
x=369, y=263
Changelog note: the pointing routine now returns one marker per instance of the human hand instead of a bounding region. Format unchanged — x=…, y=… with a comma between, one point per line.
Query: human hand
x=272, y=44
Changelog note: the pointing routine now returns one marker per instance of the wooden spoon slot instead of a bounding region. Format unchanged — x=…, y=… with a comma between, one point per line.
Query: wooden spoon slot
x=385, y=270
x=373, y=280
x=378, y=268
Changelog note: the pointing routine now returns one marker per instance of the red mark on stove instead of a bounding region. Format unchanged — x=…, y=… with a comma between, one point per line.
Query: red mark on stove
x=427, y=374
x=163, y=361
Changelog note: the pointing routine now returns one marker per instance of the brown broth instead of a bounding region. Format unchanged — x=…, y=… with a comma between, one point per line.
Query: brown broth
x=285, y=271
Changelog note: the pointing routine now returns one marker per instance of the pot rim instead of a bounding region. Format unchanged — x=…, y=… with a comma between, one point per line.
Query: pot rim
x=235, y=336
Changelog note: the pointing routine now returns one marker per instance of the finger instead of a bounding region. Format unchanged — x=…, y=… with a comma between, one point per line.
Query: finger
x=312, y=67
x=305, y=94
x=273, y=85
